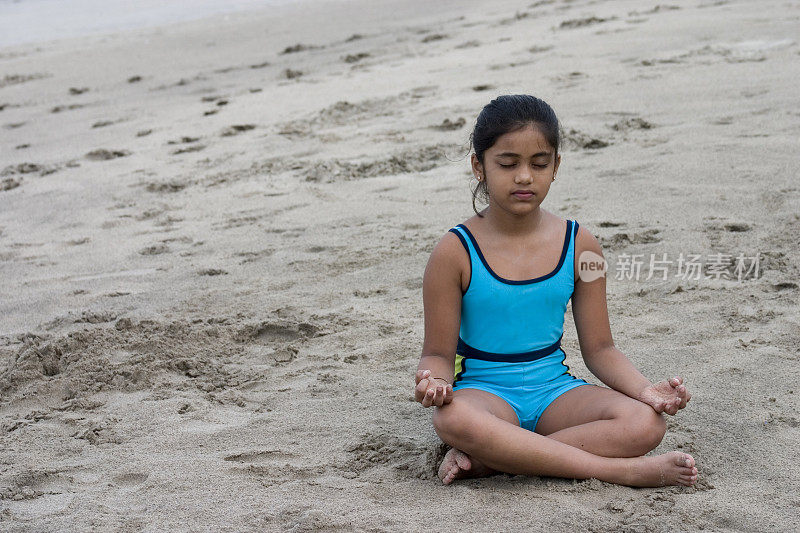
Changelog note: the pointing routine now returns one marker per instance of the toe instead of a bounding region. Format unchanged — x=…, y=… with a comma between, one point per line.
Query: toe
x=463, y=461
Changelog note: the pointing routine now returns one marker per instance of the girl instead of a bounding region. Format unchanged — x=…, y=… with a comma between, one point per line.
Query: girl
x=495, y=293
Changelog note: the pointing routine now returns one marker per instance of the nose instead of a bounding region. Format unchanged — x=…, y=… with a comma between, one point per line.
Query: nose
x=525, y=175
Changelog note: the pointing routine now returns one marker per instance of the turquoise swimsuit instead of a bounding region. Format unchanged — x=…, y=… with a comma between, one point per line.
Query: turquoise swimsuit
x=509, y=342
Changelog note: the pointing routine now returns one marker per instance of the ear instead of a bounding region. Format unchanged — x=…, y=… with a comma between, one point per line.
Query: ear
x=477, y=168
x=555, y=166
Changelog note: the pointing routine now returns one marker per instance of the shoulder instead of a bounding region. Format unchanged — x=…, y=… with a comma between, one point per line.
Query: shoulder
x=448, y=261
x=585, y=241
x=451, y=249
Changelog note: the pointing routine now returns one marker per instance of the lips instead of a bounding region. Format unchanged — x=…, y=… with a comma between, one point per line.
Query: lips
x=523, y=195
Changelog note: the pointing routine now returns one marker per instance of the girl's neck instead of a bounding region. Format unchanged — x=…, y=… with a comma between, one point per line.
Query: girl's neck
x=511, y=225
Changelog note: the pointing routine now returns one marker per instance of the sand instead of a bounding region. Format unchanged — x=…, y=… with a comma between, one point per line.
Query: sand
x=213, y=234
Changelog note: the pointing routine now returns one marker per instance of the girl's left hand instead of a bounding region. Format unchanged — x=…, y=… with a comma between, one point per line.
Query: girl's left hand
x=667, y=396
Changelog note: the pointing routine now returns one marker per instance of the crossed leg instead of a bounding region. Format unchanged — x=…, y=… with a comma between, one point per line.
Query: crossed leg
x=588, y=431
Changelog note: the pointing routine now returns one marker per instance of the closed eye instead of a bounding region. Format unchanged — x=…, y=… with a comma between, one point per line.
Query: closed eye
x=514, y=164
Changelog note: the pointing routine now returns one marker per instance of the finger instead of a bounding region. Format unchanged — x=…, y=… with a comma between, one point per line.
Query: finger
x=422, y=374
x=440, y=395
x=418, y=376
x=439, y=399
x=674, y=382
x=419, y=392
x=688, y=396
x=426, y=401
x=444, y=394
x=437, y=396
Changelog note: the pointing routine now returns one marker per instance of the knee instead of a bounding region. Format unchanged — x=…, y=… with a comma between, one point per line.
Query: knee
x=452, y=423
x=650, y=428
x=646, y=429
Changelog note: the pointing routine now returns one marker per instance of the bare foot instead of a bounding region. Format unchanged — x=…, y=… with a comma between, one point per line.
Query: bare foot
x=672, y=468
x=456, y=465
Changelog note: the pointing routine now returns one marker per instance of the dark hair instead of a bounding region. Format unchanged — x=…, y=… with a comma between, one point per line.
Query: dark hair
x=507, y=113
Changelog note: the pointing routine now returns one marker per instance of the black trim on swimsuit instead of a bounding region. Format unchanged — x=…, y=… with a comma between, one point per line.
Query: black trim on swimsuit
x=567, y=236
x=469, y=256
x=466, y=350
x=575, y=258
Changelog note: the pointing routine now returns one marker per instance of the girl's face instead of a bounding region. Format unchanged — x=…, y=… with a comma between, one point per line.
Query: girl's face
x=518, y=170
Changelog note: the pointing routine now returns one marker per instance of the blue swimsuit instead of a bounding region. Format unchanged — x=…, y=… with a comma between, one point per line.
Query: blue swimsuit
x=509, y=342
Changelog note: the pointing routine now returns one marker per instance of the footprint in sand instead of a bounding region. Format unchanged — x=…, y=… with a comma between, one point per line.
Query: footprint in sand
x=419, y=159
x=169, y=186
x=212, y=272
x=70, y=107
x=450, y=125
x=410, y=457
x=102, y=154
x=250, y=257
x=184, y=140
x=480, y=88
x=736, y=227
x=577, y=139
x=236, y=129
x=299, y=47
x=634, y=123
x=10, y=183
x=583, y=22
x=155, y=249
x=619, y=240
x=433, y=37
x=16, y=79
x=355, y=58
x=189, y=149
x=609, y=224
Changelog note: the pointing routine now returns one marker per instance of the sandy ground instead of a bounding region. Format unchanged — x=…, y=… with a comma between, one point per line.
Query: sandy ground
x=212, y=242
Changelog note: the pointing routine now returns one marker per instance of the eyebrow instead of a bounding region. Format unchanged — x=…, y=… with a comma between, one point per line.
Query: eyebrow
x=512, y=154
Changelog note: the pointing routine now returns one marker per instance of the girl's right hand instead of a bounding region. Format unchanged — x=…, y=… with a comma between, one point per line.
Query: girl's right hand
x=430, y=391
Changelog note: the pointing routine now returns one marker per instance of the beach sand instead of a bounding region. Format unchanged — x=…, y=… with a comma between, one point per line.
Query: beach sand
x=213, y=235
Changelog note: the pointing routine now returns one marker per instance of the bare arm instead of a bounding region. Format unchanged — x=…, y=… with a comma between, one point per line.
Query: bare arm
x=590, y=313
x=602, y=358
x=441, y=296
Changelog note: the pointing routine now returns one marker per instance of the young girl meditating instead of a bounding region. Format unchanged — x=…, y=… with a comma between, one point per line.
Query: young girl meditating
x=495, y=293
